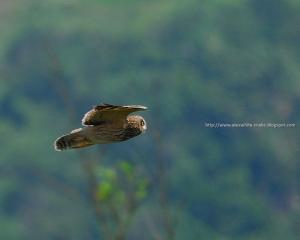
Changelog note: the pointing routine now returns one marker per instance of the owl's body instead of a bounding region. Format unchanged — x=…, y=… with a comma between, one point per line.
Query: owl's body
x=104, y=124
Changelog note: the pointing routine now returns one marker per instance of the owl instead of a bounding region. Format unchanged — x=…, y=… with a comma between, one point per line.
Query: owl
x=105, y=123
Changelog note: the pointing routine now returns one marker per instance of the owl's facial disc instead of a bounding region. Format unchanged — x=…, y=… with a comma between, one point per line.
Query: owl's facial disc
x=137, y=122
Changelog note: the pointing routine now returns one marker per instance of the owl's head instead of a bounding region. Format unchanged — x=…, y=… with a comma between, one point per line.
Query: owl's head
x=138, y=122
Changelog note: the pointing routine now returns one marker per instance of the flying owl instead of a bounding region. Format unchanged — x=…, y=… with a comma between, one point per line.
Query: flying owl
x=104, y=124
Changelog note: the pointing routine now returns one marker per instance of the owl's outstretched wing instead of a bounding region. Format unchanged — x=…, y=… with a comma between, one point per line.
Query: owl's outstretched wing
x=107, y=113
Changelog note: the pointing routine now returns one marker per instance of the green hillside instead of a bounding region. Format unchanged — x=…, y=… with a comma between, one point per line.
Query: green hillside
x=190, y=62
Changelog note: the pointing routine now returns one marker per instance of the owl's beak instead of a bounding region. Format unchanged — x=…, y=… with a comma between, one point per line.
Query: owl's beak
x=144, y=128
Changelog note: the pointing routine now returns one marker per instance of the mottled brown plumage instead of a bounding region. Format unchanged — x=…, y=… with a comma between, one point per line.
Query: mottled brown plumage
x=104, y=124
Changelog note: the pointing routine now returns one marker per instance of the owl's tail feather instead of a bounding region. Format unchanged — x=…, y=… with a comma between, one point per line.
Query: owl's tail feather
x=72, y=140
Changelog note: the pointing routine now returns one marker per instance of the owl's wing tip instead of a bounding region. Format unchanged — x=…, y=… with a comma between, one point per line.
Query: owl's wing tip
x=143, y=107
x=107, y=105
x=139, y=107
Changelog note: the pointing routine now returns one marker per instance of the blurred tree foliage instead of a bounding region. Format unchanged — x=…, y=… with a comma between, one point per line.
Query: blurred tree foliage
x=190, y=62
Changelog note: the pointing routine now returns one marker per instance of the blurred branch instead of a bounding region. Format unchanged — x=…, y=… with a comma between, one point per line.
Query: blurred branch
x=161, y=170
x=87, y=163
x=163, y=188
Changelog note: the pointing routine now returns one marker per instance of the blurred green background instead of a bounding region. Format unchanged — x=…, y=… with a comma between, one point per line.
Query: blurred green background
x=190, y=62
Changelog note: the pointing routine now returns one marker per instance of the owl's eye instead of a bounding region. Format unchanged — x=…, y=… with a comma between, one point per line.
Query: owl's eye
x=142, y=123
